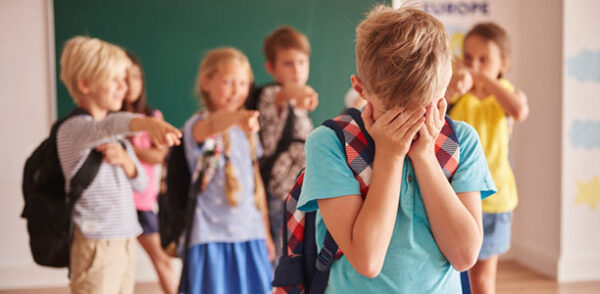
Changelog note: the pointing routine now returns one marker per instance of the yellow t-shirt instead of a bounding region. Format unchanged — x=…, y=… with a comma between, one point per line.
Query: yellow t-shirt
x=491, y=122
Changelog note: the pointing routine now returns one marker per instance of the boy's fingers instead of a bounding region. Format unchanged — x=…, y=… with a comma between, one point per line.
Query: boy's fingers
x=442, y=106
x=409, y=119
x=431, y=116
x=416, y=127
x=391, y=115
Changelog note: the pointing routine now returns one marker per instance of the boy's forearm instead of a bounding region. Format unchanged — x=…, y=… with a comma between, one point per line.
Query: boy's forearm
x=457, y=231
x=374, y=225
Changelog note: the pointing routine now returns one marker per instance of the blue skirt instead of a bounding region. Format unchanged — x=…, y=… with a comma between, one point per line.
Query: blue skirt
x=227, y=268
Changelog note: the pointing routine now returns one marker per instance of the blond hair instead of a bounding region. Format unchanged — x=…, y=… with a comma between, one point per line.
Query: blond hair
x=403, y=56
x=90, y=59
x=285, y=37
x=212, y=63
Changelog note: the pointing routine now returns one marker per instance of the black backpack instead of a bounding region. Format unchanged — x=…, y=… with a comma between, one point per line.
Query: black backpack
x=172, y=204
x=177, y=205
x=266, y=163
x=48, y=207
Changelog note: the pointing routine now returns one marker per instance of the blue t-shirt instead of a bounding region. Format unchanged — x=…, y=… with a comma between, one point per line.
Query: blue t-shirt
x=215, y=220
x=413, y=262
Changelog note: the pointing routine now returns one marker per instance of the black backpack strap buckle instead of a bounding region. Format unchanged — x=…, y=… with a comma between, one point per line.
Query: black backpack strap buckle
x=326, y=254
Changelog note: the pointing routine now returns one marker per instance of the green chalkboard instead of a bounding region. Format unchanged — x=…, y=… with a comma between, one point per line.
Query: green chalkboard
x=170, y=37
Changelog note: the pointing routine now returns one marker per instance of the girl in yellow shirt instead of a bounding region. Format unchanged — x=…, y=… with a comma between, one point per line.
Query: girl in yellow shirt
x=480, y=96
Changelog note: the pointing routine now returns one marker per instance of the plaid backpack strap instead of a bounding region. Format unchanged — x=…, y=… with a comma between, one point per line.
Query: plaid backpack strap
x=447, y=149
x=290, y=273
x=359, y=150
x=358, y=145
x=294, y=227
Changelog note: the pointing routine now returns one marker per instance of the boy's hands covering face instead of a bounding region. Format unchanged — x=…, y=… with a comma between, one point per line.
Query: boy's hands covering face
x=424, y=145
x=393, y=132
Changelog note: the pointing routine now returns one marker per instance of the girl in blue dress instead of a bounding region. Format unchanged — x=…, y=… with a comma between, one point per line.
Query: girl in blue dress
x=229, y=250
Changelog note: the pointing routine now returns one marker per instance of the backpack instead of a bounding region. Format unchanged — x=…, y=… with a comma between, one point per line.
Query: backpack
x=303, y=269
x=172, y=204
x=266, y=163
x=48, y=207
x=177, y=205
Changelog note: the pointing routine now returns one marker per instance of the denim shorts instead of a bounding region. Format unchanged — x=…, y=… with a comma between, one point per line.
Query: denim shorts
x=496, y=234
x=149, y=221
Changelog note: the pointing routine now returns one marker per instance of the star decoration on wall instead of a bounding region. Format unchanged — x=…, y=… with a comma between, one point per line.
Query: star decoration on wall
x=589, y=193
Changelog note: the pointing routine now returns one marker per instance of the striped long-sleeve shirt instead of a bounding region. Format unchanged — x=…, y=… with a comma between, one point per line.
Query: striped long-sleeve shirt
x=106, y=209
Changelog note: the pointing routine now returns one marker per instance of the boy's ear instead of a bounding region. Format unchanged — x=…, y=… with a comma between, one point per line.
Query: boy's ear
x=358, y=85
x=82, y=86
x=269, y=67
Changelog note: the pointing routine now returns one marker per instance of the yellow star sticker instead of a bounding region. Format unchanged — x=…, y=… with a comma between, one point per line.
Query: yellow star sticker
x=589, y=193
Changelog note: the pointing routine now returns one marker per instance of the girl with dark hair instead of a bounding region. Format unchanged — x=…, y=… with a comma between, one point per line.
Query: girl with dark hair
x=151, y=157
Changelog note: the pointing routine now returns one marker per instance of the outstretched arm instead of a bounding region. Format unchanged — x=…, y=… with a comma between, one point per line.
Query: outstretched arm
x=219, y=121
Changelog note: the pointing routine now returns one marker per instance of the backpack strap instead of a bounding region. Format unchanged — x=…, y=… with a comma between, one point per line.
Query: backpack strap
x=327, y=255
x=358, y=145
x=88, y=170
x=447, y=148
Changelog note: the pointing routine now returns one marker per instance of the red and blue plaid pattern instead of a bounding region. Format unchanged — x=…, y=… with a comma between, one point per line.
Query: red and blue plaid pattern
x=295, y=220
x=360, y=151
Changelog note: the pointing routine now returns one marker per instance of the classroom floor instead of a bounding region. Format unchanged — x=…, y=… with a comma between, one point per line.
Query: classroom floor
x=512, y=279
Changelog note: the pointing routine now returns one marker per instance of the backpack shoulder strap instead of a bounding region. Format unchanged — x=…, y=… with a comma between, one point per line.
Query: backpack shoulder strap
x=360, y=150
x=286, y=139
x=447, y=148
x=84, y=176
x=88, y=170
x=357, y=143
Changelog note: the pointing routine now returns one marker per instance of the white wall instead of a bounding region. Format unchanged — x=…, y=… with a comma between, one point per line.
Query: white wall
x=27, y=95
x=580, y=242
x=25, y=113
x=537, y=141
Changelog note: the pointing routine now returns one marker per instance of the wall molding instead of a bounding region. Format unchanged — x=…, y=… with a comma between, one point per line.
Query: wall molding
x=532, y=258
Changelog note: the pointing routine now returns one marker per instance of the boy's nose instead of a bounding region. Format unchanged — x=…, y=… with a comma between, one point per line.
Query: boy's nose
x=297, y=68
